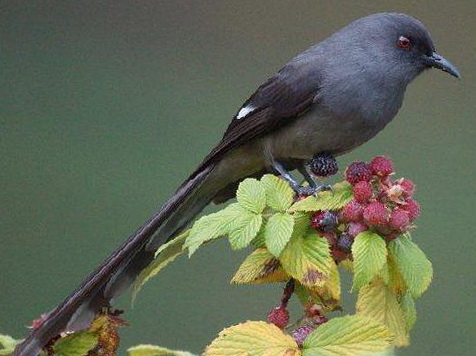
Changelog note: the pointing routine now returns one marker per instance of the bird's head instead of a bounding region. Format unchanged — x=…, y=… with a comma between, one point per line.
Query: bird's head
x=394, y=44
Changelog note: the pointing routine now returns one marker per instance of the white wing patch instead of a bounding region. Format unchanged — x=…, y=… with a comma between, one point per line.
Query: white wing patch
x=244, y=112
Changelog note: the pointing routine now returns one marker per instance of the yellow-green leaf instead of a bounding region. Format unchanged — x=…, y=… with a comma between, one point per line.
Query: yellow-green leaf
x=348, y=336
x=307, y=258
x=279, y=195
x=163, y=256
x=8, y=344
x=253, y=338
x=326, y=200
x=327, y=295
x=76, y=344
x=395, y=280
x=278, y=231
x=251, y=195
x=152, y=350
x=213, y=226
x=376, y=301
x=260, y=267
x=415, y=268
x=409, y=311
x=244, y=229
x=370, y=254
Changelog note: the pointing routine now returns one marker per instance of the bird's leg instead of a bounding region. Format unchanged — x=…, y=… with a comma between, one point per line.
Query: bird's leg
x=299, y=189
x=312, y=183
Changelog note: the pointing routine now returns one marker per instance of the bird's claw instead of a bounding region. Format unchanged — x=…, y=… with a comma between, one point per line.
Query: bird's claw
x=309, y=190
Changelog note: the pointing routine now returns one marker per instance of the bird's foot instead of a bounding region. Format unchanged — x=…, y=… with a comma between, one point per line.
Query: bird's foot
x=311, y=190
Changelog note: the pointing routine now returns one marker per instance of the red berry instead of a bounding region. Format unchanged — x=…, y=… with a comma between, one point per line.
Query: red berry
x=381, y=166
x=331, y=238
x=356, y=227
x=375, y=214
x=413, y=208
x=352, y=211
x=399, y=219
x=357, y=172
x=362, y=191
x=339, y=255
x=279, y=316
x=301, y=333
x=407, y=186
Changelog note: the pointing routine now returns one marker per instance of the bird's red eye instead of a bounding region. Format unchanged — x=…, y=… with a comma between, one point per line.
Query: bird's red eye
x=404, y=42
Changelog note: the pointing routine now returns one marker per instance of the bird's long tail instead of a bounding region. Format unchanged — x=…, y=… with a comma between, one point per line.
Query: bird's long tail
x=120, y=269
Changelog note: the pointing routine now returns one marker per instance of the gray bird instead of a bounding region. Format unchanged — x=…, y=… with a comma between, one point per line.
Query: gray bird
x=331, y=98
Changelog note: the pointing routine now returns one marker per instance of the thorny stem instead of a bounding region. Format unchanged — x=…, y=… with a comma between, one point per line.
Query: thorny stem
x=287, y=293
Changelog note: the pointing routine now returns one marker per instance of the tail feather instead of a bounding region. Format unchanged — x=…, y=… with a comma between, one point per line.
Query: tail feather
x=120, y=269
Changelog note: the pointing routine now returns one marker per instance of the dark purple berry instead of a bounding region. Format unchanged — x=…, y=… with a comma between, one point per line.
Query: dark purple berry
x=345, y=242
x=323, y=165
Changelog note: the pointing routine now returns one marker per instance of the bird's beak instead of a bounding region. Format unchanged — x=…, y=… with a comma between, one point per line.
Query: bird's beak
x=440, y=62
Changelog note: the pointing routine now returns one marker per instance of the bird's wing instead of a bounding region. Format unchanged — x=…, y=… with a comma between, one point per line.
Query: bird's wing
x=276, y=103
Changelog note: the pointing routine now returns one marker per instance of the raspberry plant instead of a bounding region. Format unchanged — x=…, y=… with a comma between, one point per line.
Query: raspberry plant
x=363, y=226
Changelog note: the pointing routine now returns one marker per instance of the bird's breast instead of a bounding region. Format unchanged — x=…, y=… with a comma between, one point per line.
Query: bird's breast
x=321, y=130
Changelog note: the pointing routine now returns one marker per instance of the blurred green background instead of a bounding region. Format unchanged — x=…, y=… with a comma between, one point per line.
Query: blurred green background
x=106, y=106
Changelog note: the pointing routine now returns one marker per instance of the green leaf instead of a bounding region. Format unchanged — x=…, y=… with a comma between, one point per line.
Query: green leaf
x=279, y=195
x=307, y=258
x=370, y=254
x=260, y=267
x=8, y=344
x=212, y=226
x=409, y=311
x=348, y=336
x=253, y=338
x=415, y=268
x=376, y=301
x=251, y=195
x=163, y=256
x=76, y=344
x=278, y=231
x=259, y=240
x=326, y=200
x=152, y=350
x=243, y=229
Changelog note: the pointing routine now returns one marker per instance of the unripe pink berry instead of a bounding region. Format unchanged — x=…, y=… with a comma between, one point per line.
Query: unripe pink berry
x=399, y=219
x=356, y=227
x=352, y=211
x=381, y=166
x=413, y=208
x=375, y=214
x=357, y=172
x=407, y=186
x=362, y=191
x=279, y=316
x=301, y=333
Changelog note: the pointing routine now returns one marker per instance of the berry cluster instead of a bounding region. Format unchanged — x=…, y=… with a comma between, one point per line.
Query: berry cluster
x=380, y=204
